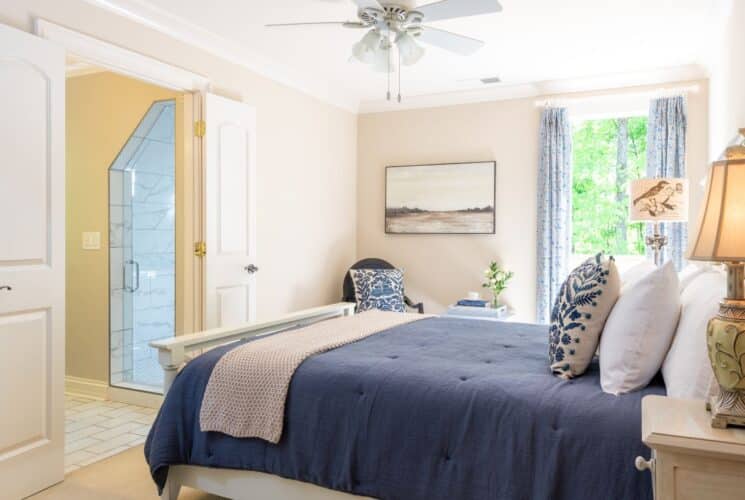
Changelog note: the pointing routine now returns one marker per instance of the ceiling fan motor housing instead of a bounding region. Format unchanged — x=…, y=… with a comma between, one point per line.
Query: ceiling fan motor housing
x=392, y=18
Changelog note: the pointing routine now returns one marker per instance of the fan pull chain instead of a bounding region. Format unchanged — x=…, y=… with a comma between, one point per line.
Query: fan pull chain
x=399, y=77
x=389, y=75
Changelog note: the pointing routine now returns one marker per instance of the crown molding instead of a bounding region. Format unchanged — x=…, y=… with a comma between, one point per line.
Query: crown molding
x=175, y=27
x=548, y=89
x=184, y=31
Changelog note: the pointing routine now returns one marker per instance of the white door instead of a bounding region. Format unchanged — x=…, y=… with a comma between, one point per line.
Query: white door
x=230, y=212
x=32, y=263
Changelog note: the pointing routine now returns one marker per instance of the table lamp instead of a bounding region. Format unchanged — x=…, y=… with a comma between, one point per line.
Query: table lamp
x=655, y=201
x=721, y=238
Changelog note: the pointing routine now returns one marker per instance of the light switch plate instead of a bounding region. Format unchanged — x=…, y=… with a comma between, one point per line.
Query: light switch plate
x=91, y=241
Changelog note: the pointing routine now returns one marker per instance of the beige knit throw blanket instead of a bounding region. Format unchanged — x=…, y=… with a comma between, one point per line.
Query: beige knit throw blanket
x=246, y=393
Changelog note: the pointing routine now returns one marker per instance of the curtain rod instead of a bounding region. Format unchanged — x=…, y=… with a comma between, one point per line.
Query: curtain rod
x=652, y=94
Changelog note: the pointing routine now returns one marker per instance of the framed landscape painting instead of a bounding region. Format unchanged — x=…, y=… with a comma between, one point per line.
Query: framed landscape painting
x=450, y=198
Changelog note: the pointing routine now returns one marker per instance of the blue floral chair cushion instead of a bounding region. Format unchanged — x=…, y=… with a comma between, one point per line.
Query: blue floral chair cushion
x=584, y=302
x=381, y=289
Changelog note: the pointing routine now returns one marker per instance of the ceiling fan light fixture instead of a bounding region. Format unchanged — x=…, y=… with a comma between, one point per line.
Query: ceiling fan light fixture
x=382, y=63
x=365, y=50
x=410, y=51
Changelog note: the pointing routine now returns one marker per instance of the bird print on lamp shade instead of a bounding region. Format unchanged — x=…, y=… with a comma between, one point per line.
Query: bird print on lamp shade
x=659, y=198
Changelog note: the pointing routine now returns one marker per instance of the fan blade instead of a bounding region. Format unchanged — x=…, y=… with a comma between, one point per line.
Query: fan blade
x=345, y=24
x=368, y=4
x=453, y=42
x=448, y=9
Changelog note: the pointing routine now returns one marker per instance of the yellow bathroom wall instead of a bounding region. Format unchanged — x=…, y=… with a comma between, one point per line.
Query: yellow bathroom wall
x=103, y=109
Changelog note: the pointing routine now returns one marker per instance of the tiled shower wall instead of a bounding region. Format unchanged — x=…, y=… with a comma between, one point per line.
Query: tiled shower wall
x=147, y=266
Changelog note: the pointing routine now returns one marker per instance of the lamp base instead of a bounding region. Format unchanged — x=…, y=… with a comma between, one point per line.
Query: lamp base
x=725, y=340
x=656, y=242
x=727, y=408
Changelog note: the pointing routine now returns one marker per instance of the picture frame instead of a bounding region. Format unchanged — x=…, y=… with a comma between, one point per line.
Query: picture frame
x=441, y=198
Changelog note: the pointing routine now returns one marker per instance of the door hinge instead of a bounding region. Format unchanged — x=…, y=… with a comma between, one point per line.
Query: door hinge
x=200, y=249
x=200, y=128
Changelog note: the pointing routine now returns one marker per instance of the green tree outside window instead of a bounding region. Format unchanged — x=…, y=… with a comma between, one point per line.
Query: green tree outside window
x=607, y=154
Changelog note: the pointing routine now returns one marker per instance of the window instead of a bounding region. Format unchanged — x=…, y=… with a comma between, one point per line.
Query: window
x=607, y=154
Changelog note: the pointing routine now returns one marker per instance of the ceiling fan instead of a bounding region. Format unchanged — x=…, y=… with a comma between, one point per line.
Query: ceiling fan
x=390, y=25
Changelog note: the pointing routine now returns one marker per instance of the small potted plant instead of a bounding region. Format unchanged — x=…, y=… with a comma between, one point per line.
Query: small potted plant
x=496, y=281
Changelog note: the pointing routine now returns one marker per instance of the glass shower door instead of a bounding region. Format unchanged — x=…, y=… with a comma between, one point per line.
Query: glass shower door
x=142, y=207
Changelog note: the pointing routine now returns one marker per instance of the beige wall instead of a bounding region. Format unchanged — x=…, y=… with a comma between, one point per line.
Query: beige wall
x=103, y=109
x=728, y=80
x=439, y=269
x=306, y=158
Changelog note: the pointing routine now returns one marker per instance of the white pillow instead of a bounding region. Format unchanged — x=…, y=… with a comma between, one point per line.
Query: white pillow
x=639, y=331
x=690, y=272
x=635, y=273
x=686, y=369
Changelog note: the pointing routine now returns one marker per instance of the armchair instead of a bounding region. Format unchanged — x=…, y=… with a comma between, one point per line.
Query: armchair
x=348, y=286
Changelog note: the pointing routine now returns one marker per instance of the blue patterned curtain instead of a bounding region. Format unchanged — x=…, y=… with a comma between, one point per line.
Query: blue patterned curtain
x=666, y=150
x=554, y=207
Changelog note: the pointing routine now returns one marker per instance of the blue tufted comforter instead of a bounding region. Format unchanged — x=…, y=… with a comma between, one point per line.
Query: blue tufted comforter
x=441, y=408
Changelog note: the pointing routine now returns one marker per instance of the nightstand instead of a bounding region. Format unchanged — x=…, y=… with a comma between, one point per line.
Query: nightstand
x=690, y=459
x=480, y=313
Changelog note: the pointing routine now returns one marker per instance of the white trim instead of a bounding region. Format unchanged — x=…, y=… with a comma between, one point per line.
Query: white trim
x=119, y=60
x=103, y=54
x=86, y=387
x=184, y=31
x=500, y=92
x=81, y=69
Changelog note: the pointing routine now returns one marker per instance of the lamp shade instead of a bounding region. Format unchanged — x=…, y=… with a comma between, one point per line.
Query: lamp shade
x=409, y=50
x=659, y=200
x=382, y=59
x=364, y=50
x=721, y=232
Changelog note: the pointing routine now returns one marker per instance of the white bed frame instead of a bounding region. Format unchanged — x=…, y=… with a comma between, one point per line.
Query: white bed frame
x=230, y=483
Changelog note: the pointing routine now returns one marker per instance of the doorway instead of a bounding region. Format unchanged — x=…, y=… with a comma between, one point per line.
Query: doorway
x=130, y=211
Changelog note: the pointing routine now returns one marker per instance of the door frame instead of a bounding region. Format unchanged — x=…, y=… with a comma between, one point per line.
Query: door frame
x=141, y=67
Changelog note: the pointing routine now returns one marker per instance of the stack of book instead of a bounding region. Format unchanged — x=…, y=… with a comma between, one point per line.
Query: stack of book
x=472, y=303
x=484, y=304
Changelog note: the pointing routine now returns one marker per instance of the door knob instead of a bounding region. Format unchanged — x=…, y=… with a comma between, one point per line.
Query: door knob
x=5, y=287
x=250, y=269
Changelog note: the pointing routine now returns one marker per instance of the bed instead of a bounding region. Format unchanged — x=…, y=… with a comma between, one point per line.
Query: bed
x=442, y=408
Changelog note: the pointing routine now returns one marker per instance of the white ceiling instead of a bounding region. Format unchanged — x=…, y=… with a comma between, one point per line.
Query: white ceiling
x=529, y=41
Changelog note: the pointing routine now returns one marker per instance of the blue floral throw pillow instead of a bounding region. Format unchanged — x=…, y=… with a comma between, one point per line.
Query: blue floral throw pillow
x=584, y=302
x=381, y=289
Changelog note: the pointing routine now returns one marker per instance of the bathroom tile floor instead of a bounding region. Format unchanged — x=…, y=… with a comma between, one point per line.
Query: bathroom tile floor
x=96, y=429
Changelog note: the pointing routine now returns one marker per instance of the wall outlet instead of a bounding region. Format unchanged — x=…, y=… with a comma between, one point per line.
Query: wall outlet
x=92, y=241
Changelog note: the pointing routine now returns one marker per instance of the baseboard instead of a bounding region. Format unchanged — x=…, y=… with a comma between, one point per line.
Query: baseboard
x=100, y=390
x=135, y=397
x=86, y=387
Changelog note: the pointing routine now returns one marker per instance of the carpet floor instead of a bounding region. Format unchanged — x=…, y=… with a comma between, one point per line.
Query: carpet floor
x=122, y=477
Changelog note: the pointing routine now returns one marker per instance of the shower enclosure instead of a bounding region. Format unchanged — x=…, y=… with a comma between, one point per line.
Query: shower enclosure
x=142, y=264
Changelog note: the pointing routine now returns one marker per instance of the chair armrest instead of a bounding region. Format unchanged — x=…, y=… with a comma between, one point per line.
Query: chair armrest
x=419, y=306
